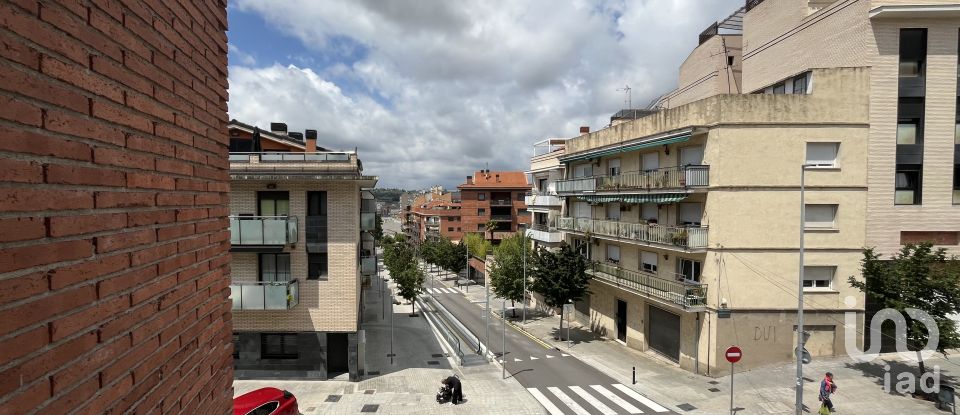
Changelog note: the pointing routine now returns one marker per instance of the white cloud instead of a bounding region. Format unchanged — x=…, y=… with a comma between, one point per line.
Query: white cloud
x=245, y=58
x=447, y=87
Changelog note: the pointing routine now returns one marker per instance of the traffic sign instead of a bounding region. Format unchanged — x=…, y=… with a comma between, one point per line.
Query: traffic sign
x=733, y=354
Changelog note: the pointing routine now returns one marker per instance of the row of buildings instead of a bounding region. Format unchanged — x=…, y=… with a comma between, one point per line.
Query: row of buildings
x=692, y=208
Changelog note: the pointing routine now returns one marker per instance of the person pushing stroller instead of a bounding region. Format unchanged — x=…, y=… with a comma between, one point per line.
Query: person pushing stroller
x=452, y=389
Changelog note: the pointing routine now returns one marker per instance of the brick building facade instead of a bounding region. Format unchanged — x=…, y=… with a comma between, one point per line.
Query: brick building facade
x=113, y=181
x=494, y=196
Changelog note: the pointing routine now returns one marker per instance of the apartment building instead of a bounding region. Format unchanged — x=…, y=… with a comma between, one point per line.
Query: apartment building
x=300, y=223
x=542, y=201
x=496, y=197
x=436, y=215
x=692, y=213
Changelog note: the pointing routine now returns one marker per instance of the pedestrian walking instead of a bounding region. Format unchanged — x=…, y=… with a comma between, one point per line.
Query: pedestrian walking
x=827, y=387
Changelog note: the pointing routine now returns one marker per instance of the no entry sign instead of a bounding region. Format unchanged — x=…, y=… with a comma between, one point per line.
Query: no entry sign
x=733, y=354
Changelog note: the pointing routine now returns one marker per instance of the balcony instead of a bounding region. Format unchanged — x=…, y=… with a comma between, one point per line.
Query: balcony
x=686, y=295
x=262, y=231
x=368, y=266
x=545, y=233
x=500, y=235
x=670, y=178
x=542, y=200
x=501, y=202
x=501, y=218
x=686, y=238
x=368, y=221
x=265, y=295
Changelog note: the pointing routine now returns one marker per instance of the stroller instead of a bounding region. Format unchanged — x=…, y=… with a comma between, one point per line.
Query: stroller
x=444, y=394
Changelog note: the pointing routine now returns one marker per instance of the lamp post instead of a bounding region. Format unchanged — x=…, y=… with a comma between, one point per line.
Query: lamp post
x=524, y=322
x=799, y=351
x=503, y=347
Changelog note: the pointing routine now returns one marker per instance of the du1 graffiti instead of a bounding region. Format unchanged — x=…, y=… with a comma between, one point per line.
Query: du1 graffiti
x=764, y=334
x=906, y=381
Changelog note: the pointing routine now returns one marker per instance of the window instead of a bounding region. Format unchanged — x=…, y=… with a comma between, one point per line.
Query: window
x=481, y=212
x=274, y=267
x=481, y=227
x=729, y=60
x=651, y=161
x=449, y=229
x=265, y=409
x=689, y=270
x=236, y=346
x=613, y=254
x=278, y=346
x=691, y=214
x=956, y=184
x=820, y=217
x=481, y=196
x=650, y=212
x=613, y=167
x=458, y=229
x=521, y=212
x=907, y=187
x=240, y=145
x=520, y=196
x=582, y=247
x=542, y=185
x=822, y=154
x=907, y=132
x=780, y=88
x=613, y=211
x=800, y=85
x=818, y=278
x=648, y=262
x=273, y=203
x=913, y=52
x=316, y=266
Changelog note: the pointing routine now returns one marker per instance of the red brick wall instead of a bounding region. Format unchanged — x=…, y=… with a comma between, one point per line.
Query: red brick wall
x=113, y=182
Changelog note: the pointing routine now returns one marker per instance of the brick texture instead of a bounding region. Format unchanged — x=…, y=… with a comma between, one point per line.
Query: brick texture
x=113, y=181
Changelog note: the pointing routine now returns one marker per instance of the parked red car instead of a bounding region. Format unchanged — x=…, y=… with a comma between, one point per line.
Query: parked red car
x=266, y=401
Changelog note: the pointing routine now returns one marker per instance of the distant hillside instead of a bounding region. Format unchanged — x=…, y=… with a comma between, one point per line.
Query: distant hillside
x=387, y=195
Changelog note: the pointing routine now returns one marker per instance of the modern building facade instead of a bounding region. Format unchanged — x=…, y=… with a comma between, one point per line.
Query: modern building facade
x=542, y=201
x=496, y=198
x=300, y=226
x=435, y=215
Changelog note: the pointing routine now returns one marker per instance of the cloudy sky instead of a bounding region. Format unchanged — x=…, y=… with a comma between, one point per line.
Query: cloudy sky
x=429, y=91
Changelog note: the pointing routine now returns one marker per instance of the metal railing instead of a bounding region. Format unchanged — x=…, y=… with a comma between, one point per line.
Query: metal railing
x=368, y=221
x=682, y=177
x=368, y=266
x=682, y=293
x=282, y=157
x=543, y=227
x=263, y=230
x=688, y=237
x=265, y=295
x=501, y=217
x=501, y=202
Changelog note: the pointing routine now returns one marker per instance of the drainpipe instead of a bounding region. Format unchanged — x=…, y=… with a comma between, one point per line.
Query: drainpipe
x=696, y=349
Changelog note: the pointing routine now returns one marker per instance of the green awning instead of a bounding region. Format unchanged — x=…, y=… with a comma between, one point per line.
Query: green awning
x=631, y=146
x=655, y=198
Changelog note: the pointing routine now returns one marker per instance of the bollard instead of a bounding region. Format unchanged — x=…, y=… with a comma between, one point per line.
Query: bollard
x=634, y=375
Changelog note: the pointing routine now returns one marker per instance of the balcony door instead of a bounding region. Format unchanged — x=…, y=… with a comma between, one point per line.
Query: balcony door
x=691, y=156
x=274, y=267
x=273, y=203
x=691, y=214
x=583, y=170
x=613, y=211
x=650, y=161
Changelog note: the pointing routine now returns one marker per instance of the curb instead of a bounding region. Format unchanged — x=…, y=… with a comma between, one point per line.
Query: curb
x=523, y=331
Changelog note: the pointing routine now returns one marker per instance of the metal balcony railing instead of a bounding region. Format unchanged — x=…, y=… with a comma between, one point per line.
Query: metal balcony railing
x=368, y=221
x=501, y=202
x=263, y=230
x=683, y=177
x=686, y=237
x=500, y=218
x=681, y=293
x=281, y=157
x=368, y=266
x=265, y=295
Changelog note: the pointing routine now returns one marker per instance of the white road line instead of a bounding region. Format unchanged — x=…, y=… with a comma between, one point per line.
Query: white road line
x=549, y=356
x=640, y=398
x=616, y=399
x=431, y=291
x=604, y=409
x=551, y=408
x=517, y=360
x=564, y=355
x=534, y=358
x=449, y=290
x=570, y=403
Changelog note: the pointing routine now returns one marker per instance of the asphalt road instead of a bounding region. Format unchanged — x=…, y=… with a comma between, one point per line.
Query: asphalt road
x=561, y=383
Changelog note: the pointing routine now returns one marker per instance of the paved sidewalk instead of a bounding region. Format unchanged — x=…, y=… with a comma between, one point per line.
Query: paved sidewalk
x=767, y=390
x=410, y=383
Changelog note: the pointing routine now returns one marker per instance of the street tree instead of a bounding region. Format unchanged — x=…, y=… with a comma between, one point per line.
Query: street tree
x=410, y=285
x=560, y=277
x=400, y=261
x=506, y=271
x=454, y=256
x=917, y=277
x=378, y=228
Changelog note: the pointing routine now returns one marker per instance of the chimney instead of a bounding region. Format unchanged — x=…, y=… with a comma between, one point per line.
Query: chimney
x=311, y=136
x=296, y=136
x=278, y=128
x=584, y=130
x=469, y=179
x=498, y=178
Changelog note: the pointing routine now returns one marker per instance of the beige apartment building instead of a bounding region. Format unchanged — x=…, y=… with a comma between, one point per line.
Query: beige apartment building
x=692, y=210
x=543, y=203
x=301, y=249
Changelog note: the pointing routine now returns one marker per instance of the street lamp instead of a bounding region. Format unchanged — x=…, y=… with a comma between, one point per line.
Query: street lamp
x=524, y=276
x=503, y=347
x=799, y=351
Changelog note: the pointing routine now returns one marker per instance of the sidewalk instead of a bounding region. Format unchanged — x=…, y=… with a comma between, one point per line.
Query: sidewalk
x=767, y=390
x=410, y=383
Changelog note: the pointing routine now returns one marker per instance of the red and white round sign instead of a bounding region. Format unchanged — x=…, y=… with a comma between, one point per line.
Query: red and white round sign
x=733, y=354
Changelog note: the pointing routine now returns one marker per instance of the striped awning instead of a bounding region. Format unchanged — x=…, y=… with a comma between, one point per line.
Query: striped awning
x=656, y=198
x=646, y=142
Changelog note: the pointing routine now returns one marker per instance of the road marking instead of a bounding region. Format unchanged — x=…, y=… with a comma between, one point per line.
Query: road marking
x=431, y=291
x=572, y=404
x=640, y=398
x=549, y=356
x=517, y=360
x=551, y=408
x=564, y=355
x=616, y=399
x=534, y=358
x=604, y=409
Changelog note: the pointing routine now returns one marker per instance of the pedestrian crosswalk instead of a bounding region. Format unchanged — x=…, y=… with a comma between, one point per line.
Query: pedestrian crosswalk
x=594, y=399
x=442, y=290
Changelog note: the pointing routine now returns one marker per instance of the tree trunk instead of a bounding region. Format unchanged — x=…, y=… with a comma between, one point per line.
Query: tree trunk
x=513, y=305
x=413, y=307
x=560, y=330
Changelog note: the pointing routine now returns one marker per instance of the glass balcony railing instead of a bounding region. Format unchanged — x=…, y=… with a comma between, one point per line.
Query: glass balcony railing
x=368, y=221
x=263, y=230
x=684, y=294
x=683, y=177
x=265, y=295
x=368, y=266
x=686, y=237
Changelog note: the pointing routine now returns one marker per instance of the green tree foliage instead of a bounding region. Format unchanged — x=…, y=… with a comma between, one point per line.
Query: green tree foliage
x=916, y=277
x=378, y=229
x=479, y=246
x=506, y=272
x=400, y=261
x=560, y=277
x=454, y=256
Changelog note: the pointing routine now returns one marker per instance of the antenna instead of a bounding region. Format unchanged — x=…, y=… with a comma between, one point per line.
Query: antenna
x=629, y=100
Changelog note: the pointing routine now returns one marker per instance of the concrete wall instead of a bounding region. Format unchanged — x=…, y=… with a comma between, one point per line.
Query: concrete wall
x=937, y=211
x=113, y=181
x=705, y=72
x=325, y=305
x=782, y=38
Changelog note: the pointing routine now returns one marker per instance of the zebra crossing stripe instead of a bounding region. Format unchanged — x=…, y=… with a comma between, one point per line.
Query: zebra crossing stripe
x=640, y=398
x=616, y=399
x=604, y=409
x=549, y=356
x=551, y=408
x=534, y=358
x=564, y=355
x=449, y=290
x=572, y=404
